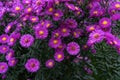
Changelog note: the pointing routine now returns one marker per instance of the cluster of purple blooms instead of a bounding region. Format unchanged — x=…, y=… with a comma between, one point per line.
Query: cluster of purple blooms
x=35, y=11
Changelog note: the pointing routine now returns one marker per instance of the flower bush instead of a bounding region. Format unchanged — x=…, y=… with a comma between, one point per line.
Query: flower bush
x=59, y=39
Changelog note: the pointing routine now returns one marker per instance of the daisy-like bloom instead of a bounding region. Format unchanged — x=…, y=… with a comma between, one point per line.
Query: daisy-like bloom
x=64, y=31
x=96, y=12
x=25, y=17
x=41, y=33
x=10, y=54
x=49, y=10
x=115, y=17
x=12, y=62
x=13, y=38
x=71, y=23
x=105, y=22
x=96, y=36
x=4, y=49
x=38, y=3
x=4, y=38
x=112, y=10
x=8, y=27
x=3, y=67
x=61, y=47
x=77, y=33
x=56, y=34
x=73, y=48
x=54, y=42
x=93, y=4
x=90, y=28
x=70, y=6
x=26, y=1
x=34, y=19
x=26, y=40
x=57, y=15
x=28, y=9
x=59, y=56
x=50, y=63
x=17, y=7
x=116, y=5
x=48, y=24
x=32, y=65
x=109, y=38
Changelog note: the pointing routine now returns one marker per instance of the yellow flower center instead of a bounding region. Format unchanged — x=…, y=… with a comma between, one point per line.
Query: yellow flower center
x=92, y=28
x=50, y=63
x=74, y=33
x=117, y=5
x=64, y=30
x=59, y=56
x=56, y=14
x=41, y=32
x=96, y=36
x=55, y=41
x=48, y=25
x=105, y=22
x=56, y=34
x=29, y=9
x=2, y=67
x=4, y=39
x=50, y=9
x=12, y=40
x=95, y=12
x=78, y=12
x=4, y=48
x=34, y=19
x=42, y=23
x=17, y=8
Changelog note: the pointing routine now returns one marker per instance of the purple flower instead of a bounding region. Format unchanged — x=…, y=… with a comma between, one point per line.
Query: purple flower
x=34, y=19
x=12, y=62
x=26, y=40
x=41, y=33
x=8, y=27
x=97, y=12
x=59, y=56
x=4, y=38
x=90, y=28
x=116, y=5
x=9, y=55
x=4, y=49
x=49, y=10
x=32, y=65
x=77, y=33
x=57, y=15
x=54, y=42
x=64, y=31
x=56, y=33
x=3, y=67
x=49, y=63
x=61, y=47
x=48, y=24
x=70, y=6
x=115, y=17
x=96, y=36
x=71, y=23
x=17, y=7
x=105, y=22
x=26, y=1
x=73, y=48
